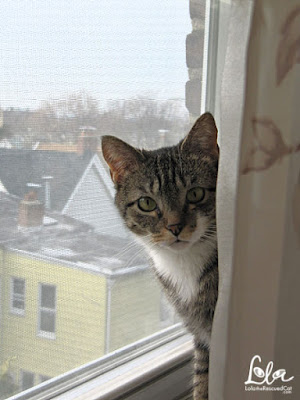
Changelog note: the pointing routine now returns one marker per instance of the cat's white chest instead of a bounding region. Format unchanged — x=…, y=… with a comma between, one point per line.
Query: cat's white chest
x=183, y=270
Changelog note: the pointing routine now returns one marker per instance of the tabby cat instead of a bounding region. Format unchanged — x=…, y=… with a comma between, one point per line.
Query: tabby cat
x=167, y=199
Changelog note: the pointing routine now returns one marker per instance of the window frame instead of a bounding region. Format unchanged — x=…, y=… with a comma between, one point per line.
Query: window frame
x=164, y=355
x=16, y=296
x=211, y=34
x=41, y=309
x=170, y=351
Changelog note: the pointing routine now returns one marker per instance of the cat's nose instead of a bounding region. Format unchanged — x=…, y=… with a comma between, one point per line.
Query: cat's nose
x=175, y=228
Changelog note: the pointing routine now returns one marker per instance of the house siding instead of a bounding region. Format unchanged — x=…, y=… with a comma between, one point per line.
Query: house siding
x=93, y=203
x=80, y=318
x=135, y=308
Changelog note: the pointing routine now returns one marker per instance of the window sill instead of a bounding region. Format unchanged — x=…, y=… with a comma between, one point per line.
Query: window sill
x=46, y=335
x=17, y=312
x=164, y=373
x=158, y=367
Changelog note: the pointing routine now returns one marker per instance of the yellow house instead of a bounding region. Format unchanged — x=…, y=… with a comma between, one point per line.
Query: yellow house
x=68, y=295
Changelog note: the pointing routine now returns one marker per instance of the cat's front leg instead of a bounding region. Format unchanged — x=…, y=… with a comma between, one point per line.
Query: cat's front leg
x=201, y=372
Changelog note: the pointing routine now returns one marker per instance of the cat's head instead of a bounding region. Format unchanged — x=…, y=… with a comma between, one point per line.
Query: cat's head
x=167, y=196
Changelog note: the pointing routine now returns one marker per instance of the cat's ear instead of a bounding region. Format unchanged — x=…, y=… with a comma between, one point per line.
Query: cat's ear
x=120, y=157
x=202, y=137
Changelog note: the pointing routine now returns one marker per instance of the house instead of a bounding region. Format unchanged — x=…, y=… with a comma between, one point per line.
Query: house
x=68, y=295
x=5, y=143
x=76, y=184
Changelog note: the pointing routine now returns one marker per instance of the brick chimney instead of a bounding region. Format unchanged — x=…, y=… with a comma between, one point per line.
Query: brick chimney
x=87, y=141
x=31, y=212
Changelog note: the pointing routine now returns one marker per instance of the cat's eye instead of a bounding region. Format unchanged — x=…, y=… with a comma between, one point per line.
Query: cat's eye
x=195, y=195
x=147, y=204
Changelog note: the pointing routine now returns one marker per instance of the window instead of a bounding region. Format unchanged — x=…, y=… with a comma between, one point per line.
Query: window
x=47, y=311
x=27, y=380
x=70, y=75
x=44, y=378
x=17, y=305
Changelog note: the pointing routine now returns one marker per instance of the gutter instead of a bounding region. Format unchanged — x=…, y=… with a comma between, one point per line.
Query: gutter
x=92, y=268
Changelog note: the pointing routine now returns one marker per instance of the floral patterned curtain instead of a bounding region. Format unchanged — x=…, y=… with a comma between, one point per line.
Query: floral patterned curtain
x=256, y=331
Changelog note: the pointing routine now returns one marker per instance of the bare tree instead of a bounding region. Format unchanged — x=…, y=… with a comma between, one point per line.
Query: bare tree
x=147, y=122
x=143, y=121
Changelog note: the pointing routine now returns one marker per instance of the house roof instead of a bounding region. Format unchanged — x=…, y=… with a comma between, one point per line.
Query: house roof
x=18, y=167
x=67, y=241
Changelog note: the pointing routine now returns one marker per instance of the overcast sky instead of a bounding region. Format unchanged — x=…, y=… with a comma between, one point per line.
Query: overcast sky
x=109, y=48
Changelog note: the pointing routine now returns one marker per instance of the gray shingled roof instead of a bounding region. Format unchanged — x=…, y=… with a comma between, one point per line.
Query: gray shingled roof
x=65, y=240
x=19, y=167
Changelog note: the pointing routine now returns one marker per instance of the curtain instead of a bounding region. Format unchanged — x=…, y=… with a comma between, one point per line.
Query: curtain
x=258, y=206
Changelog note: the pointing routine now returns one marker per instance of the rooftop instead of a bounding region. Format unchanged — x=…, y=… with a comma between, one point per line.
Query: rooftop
x=67, y=241
x=18, y=167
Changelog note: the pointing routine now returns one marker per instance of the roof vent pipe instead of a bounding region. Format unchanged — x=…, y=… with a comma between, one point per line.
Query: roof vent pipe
x=47, y=180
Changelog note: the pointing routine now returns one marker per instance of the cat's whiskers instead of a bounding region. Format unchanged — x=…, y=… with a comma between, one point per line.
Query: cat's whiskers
x=137, y=254
x=210, y=234
x=209, y=239
x=117, y=226
x=157, y=239
x=131, y=246
x=128, y=248
x=116, y=219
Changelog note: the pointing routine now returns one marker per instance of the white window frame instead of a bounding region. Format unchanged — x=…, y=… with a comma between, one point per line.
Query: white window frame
x=141, y=370
x=157, y=367
x=53, y=311
x=17, y=296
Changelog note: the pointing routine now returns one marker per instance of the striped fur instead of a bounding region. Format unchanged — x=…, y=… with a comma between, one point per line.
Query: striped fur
x=184, y=257
x=201, y=365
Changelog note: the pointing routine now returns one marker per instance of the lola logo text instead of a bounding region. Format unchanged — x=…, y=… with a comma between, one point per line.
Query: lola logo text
x=266, y=376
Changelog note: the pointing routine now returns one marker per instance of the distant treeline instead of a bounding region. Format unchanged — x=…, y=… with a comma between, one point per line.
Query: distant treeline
x=140, y=120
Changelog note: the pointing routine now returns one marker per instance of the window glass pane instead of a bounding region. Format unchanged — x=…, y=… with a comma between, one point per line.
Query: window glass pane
x=18, y=304
x=19, y=286
x=48, y=296
x=44, y=378
x=17, y=296
x=27, y=380
x=47, y=322
x=69, y=75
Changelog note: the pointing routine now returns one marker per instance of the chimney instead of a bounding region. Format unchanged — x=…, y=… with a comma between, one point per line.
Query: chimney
x=87, y=141
x=31, y=212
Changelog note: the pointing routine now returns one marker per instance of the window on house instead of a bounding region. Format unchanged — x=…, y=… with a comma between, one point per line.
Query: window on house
x=17, y=305
x=47, y=310
x=141, y=70
x=27, y=380
x=44, y=378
